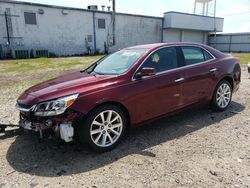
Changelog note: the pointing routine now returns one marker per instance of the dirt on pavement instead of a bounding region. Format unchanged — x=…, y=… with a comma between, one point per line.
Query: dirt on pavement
x=198, y=148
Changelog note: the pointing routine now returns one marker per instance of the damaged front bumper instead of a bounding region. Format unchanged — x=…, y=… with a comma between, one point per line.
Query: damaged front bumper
x=62, y=125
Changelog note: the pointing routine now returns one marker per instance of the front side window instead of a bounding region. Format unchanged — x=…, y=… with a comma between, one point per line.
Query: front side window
x=117, y=63
x=162, y=60
x=30, y=18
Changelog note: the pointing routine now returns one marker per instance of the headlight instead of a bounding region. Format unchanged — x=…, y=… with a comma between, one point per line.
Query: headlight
x=55, y=107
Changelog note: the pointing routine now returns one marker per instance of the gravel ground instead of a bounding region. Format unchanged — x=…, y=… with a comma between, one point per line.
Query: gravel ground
x=198, y=148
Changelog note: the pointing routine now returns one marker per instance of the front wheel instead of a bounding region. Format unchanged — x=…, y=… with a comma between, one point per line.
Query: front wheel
x=222, y=96
x=104, y=128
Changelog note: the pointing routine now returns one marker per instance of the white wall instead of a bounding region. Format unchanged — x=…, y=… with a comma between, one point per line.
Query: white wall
x=102, y=34
x=65, y=34
x=177, y=35
x=193, y=36
x=131, y=30
x=172, y=35
x=192, y=22
x=58, y=33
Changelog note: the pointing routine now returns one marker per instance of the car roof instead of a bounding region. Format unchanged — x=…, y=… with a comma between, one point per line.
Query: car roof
x=157, y=45
x=151, y=47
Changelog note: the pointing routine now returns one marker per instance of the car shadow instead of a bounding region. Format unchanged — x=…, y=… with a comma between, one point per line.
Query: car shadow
x=50, y=158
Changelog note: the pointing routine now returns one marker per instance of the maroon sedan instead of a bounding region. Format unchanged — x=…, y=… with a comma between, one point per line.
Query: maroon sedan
x=126, y=89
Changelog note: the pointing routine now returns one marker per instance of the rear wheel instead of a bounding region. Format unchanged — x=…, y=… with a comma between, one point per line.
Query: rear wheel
x=222, y=96
x=104, y=128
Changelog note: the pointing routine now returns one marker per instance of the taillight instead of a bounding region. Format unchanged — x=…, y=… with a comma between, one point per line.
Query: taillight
x=237, y=59
x=237, y=72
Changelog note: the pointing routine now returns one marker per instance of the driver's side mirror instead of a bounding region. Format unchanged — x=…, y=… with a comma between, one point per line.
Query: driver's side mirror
x=145, y=71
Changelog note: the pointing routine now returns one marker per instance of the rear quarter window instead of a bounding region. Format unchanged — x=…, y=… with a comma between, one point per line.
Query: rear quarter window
x=207, y=56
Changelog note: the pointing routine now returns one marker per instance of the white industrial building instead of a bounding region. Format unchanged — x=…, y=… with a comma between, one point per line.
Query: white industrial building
x=38, y=29
x=189, y=27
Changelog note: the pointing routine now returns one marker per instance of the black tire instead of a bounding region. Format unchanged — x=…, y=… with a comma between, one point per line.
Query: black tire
x=215, y=104
x=84, y=128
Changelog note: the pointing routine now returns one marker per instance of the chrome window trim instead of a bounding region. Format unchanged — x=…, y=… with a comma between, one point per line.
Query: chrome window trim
x=163, y=72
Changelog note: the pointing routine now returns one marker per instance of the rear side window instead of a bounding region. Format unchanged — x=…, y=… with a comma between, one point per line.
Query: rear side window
x=162, y=60
x=192, y=55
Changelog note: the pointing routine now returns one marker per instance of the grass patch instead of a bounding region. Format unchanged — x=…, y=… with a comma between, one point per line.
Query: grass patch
x=24, y=73
x=26, y=65
x=244, y=57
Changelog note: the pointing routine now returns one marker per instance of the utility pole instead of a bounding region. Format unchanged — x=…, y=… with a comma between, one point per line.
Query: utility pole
x=215, y=25
x=7, y=26
x=113, y=20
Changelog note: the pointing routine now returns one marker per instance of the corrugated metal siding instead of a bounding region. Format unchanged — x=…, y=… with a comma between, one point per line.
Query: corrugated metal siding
x=193, y=36
x=235, y=42
x=177, y=35
x=171, y=35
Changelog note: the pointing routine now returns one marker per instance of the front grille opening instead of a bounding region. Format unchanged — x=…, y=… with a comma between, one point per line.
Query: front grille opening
x=24, y=105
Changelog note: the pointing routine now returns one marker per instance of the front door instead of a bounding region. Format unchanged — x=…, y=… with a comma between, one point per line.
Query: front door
x=161, y=93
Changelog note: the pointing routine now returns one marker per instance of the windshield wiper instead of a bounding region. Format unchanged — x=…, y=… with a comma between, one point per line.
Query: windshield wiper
x=92, y=67
x=89, y=70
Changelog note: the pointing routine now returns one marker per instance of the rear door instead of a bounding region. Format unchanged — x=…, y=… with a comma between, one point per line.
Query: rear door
x=200, y=74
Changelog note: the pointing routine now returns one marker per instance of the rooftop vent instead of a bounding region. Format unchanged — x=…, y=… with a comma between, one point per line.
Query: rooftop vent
x=109, y=8
x=93, y=7
x=103, y=7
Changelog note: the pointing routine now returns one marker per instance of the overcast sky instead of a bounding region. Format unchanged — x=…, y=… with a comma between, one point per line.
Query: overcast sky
x=235, y=12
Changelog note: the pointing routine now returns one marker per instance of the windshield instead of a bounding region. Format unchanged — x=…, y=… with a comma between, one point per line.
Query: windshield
x=118, y=62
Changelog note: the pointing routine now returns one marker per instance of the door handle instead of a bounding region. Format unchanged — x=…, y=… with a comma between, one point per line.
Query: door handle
x=179, y=80
x=213, y=70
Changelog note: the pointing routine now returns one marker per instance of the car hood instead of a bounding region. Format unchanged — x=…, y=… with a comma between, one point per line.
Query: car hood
x=72, y=83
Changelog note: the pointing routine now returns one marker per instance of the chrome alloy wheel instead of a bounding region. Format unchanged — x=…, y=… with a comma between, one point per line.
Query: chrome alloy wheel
x=106, y=128
x=223, y=95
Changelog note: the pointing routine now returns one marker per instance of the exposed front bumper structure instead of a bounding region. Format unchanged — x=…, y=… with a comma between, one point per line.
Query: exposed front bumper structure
x=62, y=125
